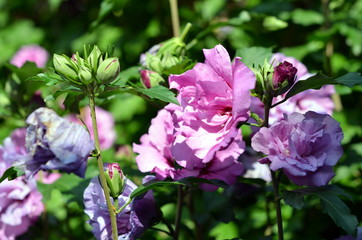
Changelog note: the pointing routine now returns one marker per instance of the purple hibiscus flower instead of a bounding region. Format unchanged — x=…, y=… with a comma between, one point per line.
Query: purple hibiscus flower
x=53, y=142
x=131, y=221
x=20, y=201
x=305, y=147
x=319, y=101
x=30, y=53
x=214, y=97
x=155, y=154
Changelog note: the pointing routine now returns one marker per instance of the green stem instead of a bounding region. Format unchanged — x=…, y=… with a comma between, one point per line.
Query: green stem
x=124, y=206
x=328, y=53
x=277, y=205
x=180, y=199
x=111, y=209
x=185, y=31
x=267, y=106
x=175, y=18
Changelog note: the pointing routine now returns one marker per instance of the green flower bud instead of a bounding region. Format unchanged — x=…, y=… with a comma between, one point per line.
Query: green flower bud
x=169, y=60
x=115, y=179
x=150, y=78
x=108, y=70
x=153, y=62
x=65, y=66
x=85, y=75
x=94, y=59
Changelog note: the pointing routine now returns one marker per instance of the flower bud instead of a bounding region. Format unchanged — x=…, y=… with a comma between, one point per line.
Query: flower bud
x=85, y=75
x=169, y=61
x=94, y=58
x=115, y=179
x=150, y=78
x=108, y=70
x=284, y=72
x=65, y=67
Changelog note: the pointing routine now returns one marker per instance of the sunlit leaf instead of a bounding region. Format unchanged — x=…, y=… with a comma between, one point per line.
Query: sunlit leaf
x=159, y=92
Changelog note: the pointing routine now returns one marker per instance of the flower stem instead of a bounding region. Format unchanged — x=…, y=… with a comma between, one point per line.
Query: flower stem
x=267, y=106
x=277, y=205
x=180, y=199
x=175, y=18
x=102, y=177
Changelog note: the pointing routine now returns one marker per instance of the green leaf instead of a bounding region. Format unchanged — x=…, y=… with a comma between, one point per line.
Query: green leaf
x=48, y=79
x=294, y=199
x=152, y=185
x=307, y=17
x=159, y=92
x=72, y=101
x=191, y=180
x=29, y=69
x=317, y=81
x=126, y=75
x=272, y=23
x=349, y=79
x=180, y=67
x=254, y=56
x=57, y=93
x=334, y=206
x=11, y=173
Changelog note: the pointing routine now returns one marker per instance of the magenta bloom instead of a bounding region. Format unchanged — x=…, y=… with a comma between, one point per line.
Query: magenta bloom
x=319, y=101
x=201, y=135
x=155, y=154
x=105, y=124
x=305, y=147
x=30, y=53
x=20, y=201
x=131, y=222
x=155, y=149
x=214, y=97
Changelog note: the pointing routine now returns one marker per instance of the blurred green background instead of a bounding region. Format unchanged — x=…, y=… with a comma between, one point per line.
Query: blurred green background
x=325, y=35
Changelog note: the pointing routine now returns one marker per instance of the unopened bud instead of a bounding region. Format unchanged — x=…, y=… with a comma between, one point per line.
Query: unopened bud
x=169, y=60
x=284, y=72
x=94, y=58
x=108, y=70
x=85, y=75
x=115, y=179
x=65, y=67
x=150, y=78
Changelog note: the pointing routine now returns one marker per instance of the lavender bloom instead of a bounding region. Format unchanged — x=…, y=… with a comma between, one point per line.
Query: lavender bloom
x=105, y=124
x=53, y=142
x=305, y=147
x=13, y=148
x=30, y=53
x=20, y=201
x=131, y=222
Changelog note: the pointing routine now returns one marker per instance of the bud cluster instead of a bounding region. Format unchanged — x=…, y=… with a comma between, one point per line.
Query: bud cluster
x=162, y=59
x=95, y=68
x=274, y=80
